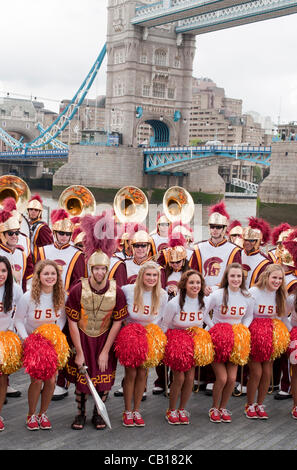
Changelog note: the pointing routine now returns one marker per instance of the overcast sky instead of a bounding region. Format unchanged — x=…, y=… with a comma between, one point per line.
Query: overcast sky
x=47, y=49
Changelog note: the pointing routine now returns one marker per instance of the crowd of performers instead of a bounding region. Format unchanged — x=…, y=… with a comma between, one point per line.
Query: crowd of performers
x=73, y=295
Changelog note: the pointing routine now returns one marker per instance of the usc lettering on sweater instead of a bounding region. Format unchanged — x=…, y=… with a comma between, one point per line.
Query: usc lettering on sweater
x=190, y=315
x=239, y=308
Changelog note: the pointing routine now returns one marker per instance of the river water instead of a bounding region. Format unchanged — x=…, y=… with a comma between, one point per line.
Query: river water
x=238, y=208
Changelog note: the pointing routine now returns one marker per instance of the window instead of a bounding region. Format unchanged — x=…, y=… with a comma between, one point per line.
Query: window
x=171, y=93
x=158, y=90
x=146, y=90
x=160, y=57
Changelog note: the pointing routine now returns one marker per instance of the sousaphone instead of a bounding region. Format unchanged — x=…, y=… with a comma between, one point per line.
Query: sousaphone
x=178, y=205
x=130, y=205
x=13, y=186
x=77, y=201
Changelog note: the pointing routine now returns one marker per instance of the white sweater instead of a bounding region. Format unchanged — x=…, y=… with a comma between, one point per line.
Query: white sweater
x=265, y=305
x=29, y=316
x=239, y=308
x=190, y=315
x=7, y=319
x=146, y=317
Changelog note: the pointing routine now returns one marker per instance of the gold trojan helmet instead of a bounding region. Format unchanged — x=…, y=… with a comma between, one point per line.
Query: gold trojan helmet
x=77, y=200
x=13, y=186
x=130, y=205
x=281, y=253
x=178, y=205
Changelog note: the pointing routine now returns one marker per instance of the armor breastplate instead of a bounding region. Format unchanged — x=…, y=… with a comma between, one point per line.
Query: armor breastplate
x=97, y=309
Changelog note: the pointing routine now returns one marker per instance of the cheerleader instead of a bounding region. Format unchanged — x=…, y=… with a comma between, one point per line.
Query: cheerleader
x=43, y=304
x=146, y=302
x=231, y=304
x=269, y=296
x=184, y=311
x=10, y=295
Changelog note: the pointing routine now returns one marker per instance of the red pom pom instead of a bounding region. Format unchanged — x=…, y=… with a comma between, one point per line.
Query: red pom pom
x=292, y=349
x=261, y=339
x=223, y=341
x=131, y=346
x=39, y=357
x=179, y=351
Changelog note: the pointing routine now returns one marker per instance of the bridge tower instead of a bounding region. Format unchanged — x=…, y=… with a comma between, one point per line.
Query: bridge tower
x=149, y=77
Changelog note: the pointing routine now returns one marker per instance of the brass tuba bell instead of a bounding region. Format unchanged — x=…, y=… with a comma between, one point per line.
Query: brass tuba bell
x=178, y=205
x=130, y=205
x=77, y=200
x=13, y=186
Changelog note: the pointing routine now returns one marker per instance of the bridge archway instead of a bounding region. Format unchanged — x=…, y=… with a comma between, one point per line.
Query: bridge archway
x=155, y=132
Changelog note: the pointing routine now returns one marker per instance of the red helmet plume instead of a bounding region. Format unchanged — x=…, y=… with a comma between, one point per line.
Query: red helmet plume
x=278, y=230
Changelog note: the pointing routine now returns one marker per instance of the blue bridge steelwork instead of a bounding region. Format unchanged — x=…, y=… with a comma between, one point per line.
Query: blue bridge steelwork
x=200, y=16
x=169, y=159
x=33, y=155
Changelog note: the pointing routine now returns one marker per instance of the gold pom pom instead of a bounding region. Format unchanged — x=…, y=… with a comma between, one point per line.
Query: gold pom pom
x=242, y=345
x=53, y=333
x=156, y=345
x=281, y=338
x=204, y=352
x=10, y=352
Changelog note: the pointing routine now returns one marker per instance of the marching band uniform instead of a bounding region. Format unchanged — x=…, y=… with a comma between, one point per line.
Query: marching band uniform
x=212, y=259
x=21, y=264
x=254, y=261
x=40, y=233
x=160, y=242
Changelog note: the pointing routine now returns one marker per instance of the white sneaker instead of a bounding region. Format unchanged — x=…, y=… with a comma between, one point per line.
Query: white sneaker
x=12, y=392
x=59, y=393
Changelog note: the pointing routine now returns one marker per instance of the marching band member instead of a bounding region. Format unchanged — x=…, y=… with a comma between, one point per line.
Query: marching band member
x=211, y=257
x=95, y=309
x=254, y=261
x=10, y=294
x=70, y=259
x=40, y=233
x=160, y=238
x=146, y=302
x=185, y=310
x=269, y=295
x=278, y=235
x=231, y=304
x=9, y=204
x=235, y=232
x=43, y=304
x=22, y=266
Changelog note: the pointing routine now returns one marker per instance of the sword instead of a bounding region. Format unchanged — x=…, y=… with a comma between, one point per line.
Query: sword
x=101, y=408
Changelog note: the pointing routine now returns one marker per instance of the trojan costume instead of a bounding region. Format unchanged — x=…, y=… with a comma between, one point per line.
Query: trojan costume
x=95, y=311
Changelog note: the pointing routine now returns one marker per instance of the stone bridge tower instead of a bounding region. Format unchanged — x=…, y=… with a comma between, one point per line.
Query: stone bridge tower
x=149, y=78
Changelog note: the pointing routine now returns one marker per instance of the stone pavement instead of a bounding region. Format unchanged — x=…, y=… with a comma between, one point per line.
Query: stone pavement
x=278, y=432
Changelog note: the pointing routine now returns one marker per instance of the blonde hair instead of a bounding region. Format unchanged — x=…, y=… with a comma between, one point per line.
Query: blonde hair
x=281, y=293
x=156, y=291
x=58, y=288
